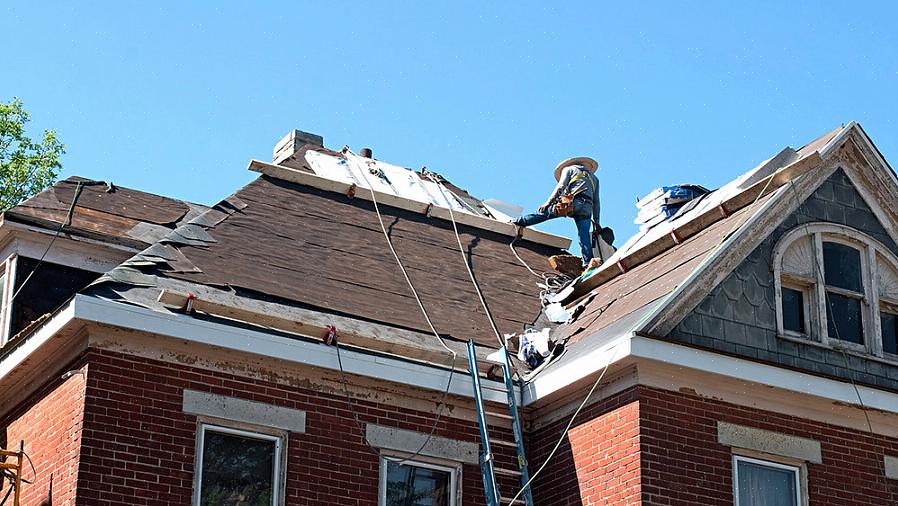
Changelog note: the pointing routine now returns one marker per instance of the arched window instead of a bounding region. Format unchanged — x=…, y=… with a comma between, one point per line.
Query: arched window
x=839, y=287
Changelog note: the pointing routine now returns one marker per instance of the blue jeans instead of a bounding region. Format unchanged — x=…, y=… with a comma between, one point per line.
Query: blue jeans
x=582, y=216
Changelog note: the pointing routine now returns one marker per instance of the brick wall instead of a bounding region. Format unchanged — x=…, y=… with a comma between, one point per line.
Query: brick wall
x=50, y=424
x=654, y=447
x=682, y=463
x=597, y=463
x=138, y=446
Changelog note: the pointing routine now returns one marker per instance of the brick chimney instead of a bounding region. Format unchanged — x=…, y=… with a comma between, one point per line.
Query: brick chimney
x=292, y=142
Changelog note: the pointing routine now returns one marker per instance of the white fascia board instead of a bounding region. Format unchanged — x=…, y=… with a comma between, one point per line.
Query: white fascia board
x=756, y=372
x=635, y=348
x=836, y=141
x=190, y=329
x=33, y=343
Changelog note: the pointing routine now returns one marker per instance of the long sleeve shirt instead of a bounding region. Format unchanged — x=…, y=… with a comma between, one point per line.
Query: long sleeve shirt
x=587, y=185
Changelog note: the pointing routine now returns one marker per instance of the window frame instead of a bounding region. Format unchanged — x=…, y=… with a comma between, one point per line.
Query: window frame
x=8, y=267
x=453, y=468
x=806, y=289
x=887, y=306
x=799, y=471
x=239, y=429
x=872, y=252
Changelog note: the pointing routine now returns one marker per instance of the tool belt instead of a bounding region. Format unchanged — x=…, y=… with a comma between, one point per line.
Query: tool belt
x=564, y=206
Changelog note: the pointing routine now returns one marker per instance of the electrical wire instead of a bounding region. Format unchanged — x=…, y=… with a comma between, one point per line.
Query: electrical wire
x=829, y=306
x=567, y=428
x=68, y=219
x=433, y=329
x=857, y=390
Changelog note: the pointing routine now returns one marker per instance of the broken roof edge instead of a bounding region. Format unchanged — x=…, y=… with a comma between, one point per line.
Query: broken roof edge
x=321, y=183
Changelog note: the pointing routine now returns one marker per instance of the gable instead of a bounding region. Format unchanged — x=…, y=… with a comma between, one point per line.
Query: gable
x=738, y=316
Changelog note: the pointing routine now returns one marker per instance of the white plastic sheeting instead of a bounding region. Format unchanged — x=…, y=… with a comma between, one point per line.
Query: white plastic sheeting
x=396, y=180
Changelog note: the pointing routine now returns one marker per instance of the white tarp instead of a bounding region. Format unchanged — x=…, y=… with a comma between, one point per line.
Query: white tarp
x=398, y=181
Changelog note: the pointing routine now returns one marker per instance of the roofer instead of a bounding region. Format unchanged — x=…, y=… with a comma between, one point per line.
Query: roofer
x=577, y=196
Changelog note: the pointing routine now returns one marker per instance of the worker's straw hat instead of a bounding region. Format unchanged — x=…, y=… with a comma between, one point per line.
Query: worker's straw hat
x=587, y=162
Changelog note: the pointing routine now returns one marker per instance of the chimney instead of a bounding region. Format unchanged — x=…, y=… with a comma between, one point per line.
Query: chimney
x=292, y=142
x=366, y=153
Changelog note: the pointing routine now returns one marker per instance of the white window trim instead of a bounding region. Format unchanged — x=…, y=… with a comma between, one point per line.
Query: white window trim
x=278, y=478
x=454, y=470
x=9, y=283
x=816, y=317
x=798, y=470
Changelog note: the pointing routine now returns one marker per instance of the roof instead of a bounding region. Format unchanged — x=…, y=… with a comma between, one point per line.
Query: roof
x=296, y=244
x=653, y=280
x=105, y=212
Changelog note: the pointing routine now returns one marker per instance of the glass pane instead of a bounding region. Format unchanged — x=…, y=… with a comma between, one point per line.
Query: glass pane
x=761, y=485
x=843, y=315
x=793, y=310
x=411, y=485
x=842, y=266
x=889, y=333
x=237, y=470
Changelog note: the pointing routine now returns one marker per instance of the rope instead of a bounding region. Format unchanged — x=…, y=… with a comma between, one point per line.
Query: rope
x=566, y=429
x=461, y=250
x=433, y=329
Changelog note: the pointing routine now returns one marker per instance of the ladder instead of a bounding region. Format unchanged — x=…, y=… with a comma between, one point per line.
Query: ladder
x=487, y=460
x=12, y=471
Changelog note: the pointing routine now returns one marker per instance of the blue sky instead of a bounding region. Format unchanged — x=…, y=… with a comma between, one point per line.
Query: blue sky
x=175, y=99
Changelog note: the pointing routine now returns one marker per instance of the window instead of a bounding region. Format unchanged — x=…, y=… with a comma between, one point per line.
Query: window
x=415, y=483
x=237, y=468
x=844, y=292
x=837, y=286
x=794, y=319
x=761, y=483
x=889, y=325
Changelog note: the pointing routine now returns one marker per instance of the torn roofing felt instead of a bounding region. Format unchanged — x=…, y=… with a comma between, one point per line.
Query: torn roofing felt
x=112, y=214
x=285, y=242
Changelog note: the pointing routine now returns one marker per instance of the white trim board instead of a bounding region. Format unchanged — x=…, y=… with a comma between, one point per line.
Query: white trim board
x=632, y=347
x=91, y=309
x=307, y=179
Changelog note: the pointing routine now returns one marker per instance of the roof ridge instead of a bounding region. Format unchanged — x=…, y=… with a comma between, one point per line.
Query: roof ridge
x=322, y=183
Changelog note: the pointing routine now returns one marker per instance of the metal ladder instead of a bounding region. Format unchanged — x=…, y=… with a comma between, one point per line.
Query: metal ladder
x=487, y=460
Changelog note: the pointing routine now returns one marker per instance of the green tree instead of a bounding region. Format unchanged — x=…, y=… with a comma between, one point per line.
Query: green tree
x=26, y=167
